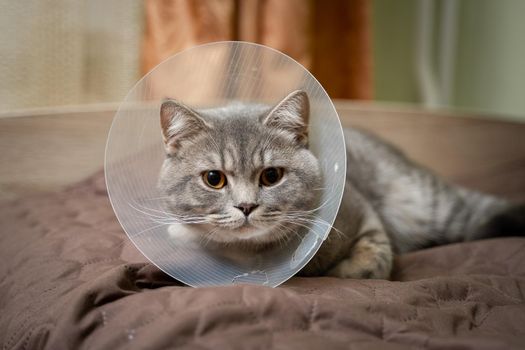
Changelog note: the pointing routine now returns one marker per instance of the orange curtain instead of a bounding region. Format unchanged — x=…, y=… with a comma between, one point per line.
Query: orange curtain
x=330, y=38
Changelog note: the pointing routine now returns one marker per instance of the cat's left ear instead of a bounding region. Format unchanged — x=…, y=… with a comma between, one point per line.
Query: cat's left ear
x=291, y=115
x=179, y=124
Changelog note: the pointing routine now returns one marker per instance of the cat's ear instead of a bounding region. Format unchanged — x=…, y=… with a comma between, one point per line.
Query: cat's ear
x=179, y=124
x=291, y=115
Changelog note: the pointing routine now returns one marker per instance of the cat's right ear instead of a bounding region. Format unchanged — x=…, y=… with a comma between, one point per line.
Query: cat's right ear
x=291, y=115
x=179, y=124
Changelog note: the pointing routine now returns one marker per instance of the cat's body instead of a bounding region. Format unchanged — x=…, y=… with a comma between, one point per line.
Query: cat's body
x=244, y=174
x=392, y=205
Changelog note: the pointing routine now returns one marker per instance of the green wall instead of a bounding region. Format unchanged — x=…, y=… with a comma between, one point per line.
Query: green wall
x=490, y=66
x=489, y=62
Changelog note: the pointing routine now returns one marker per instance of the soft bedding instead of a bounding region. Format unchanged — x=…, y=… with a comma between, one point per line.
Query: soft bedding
x=70, y=279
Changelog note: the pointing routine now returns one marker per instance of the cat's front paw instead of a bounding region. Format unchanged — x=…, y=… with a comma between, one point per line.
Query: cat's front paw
x=363, y=266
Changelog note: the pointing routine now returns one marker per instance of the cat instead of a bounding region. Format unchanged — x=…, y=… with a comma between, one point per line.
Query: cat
x=245, y=174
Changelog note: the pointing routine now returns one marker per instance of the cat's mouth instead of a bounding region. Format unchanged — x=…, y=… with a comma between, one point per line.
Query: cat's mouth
x=245, y=227
x=246, y=231
x=238, y=225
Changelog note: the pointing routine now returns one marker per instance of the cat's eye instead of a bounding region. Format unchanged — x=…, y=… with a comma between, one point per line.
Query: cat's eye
x=214, y=179
x=271, y=176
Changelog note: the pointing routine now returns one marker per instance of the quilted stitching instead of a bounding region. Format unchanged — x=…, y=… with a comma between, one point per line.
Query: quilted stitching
x=71, y=279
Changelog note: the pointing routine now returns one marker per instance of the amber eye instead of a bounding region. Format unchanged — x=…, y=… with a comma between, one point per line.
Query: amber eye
x=270, y=176
x=214, y=179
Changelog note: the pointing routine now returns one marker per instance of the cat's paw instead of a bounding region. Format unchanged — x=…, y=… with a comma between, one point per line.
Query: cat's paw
x=363, y=266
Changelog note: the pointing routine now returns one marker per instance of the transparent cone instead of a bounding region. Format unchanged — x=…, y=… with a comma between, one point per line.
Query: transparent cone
x=209, y=76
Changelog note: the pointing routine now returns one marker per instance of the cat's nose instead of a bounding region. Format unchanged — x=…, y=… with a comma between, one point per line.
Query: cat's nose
x=246, y=208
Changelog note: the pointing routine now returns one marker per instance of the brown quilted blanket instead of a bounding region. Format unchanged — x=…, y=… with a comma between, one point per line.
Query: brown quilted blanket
x=69, y=279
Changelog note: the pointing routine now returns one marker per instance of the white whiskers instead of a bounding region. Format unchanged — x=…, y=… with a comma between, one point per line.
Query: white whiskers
x=164, y=217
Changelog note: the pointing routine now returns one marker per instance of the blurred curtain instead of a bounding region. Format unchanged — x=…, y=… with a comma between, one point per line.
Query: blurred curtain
x=330, y=38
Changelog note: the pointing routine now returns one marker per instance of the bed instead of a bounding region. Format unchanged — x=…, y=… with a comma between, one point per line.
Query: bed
x=70, y=279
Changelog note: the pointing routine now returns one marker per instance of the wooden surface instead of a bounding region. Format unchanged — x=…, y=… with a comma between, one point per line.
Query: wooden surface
x=47, y=151
x=480, y=153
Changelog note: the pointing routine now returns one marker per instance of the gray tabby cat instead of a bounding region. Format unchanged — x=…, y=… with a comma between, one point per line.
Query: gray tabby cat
x=245, y=174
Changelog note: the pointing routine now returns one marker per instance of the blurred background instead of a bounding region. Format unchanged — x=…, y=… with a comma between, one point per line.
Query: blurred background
x=448, y=54
x=444, y=80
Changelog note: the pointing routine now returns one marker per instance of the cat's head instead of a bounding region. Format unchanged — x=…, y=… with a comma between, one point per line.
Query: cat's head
x=242, y=171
